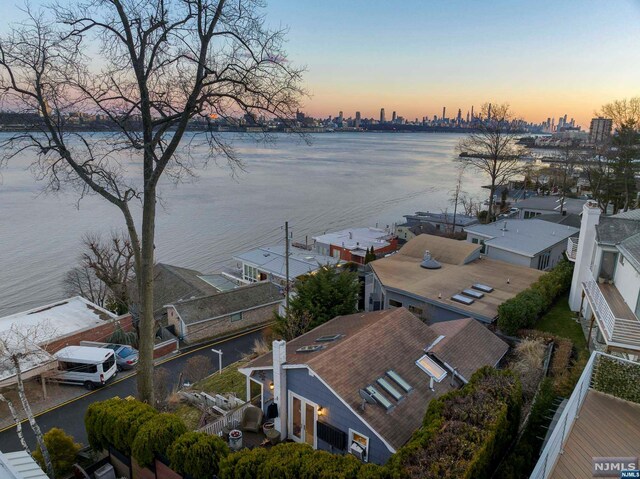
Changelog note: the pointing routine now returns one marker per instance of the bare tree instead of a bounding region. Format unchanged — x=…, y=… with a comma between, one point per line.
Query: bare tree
x=17, y=422
x=112, y=261
x=492, y=149
x=455, y=195
x=19, y=348
x=83, y=281
x=160, y=65
x=198, y=368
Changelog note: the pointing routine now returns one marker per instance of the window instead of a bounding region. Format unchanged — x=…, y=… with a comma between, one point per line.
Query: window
x=430, y=367
x=359, y=445
x=416, y=311
x=483, y=250
x=249, y=273
x=395, y=304
x=474, y=240
x=236, y=316
x=543, y=260
x=399, y=381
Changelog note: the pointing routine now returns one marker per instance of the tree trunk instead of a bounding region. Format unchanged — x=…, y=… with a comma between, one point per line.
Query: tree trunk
x=492, y=191
x=32, y=420
x=145, y=285
x=16, y=419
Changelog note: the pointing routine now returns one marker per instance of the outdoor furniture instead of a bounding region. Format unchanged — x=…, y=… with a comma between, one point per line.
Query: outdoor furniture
x=251, y=419
x=267, y=426
x=273, y=436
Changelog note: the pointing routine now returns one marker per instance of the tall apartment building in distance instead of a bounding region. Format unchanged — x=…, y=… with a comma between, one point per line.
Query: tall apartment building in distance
x=600, y=129
x=358, y=119
x=383, y=119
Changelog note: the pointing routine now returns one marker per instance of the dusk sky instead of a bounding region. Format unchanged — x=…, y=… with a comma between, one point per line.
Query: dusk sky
x=545, y=58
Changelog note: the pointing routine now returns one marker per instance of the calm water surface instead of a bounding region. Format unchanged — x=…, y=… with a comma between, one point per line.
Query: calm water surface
x=340, y=180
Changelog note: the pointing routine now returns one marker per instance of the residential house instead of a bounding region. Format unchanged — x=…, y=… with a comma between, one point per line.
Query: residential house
x=174, y=283
x=19, y=465
x=406, y=232
x=352, y=244
x=570, y=219
x=361, y=383
x=439, y=279
x=269, y=263
x=542, y=205
x=532, y=243
x=224, y=312
x=606, y=279
x=442, y=222
x=595, y=423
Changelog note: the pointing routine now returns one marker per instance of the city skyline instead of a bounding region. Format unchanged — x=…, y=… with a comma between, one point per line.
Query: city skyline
x=544, y=59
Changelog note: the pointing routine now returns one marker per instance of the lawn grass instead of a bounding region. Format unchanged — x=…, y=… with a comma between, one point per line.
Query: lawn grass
x=190, y=415
x=230, y=381
x=560, y=322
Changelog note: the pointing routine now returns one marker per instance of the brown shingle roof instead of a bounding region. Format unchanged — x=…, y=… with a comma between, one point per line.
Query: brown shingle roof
x=467, y=346
x=402, y=272
x=374, y=343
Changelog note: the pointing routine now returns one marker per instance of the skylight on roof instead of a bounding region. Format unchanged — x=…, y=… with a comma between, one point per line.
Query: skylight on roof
x=482, y=287
x=473, y=293
x=398, y=379
x=430, y=367
x=309, y=349
x=380, y=399
x=386, y=385
x=462, y=299
x=328, y=338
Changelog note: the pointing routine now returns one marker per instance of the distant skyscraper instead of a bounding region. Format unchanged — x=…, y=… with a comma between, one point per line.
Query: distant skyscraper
x=394, y=116
x=383, y=118
x=472, y=117
x=489, y=112
x=600, y=129
x=444, y=112
x=467, y=116
x=459, y=118
x=357, y=122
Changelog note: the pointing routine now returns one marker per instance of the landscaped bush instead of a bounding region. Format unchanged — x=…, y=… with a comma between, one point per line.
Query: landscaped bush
x=464, y=431
x=245, y=464
x=155, y=436
x=197, y=454
x=524, y=309
x=115, y=422
x=618, y=378
x=62, y=451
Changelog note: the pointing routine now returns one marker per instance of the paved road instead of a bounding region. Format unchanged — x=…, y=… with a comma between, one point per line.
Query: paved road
x=70, y=416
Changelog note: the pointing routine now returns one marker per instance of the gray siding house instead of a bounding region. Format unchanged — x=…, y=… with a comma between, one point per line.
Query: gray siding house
x=361, y=384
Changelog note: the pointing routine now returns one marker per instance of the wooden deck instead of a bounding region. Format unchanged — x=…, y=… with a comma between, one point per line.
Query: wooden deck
x=619, y=308
x=607, y=427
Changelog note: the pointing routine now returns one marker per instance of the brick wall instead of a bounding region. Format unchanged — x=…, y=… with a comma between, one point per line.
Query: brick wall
x=220, y=326
x=98, y=333
x=140, y=472
x=164, y=472
x=165, y=348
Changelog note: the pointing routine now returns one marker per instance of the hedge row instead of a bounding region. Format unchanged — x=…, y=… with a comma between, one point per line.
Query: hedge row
x=138, y=430
x=465, y=431
x=620, y=379
x=524, y=309
x=292, y=460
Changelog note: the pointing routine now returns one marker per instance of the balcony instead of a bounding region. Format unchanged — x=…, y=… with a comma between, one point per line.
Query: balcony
x=572, y=248
x=619, y=325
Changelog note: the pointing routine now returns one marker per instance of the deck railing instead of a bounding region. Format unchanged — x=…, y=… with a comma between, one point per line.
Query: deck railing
x=560, y=433
x=572, y=248
x=231, y=420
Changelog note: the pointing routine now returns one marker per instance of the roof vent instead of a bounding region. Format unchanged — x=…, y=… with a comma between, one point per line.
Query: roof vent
x=309, y=349
x=428, y=262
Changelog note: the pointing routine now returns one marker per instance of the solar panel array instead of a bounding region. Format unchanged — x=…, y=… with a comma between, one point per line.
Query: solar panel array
x=393, y=385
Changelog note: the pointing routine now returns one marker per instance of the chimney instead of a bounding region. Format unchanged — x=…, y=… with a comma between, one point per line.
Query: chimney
x=280, y=386
x=586, y=245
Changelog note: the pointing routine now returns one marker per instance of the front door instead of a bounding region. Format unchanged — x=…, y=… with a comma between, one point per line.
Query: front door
x=302, y=419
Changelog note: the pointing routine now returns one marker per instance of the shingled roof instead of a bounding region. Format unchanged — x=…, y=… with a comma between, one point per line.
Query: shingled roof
x=376, y=342
x=174, y=283
x=229, y=302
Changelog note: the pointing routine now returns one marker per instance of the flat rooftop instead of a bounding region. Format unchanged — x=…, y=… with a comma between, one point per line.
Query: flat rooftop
x=551, y=204
x=461, y=268
x=524, y=237
x=607, y=427
x=58, y=319
x=271, y=259
x=421, y=216
x=357, y=238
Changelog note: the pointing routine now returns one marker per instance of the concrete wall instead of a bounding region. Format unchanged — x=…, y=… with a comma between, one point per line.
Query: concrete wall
x=337, y=414
x=217, y=327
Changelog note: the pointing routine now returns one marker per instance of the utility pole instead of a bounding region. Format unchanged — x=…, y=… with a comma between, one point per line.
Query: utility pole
x=286, y=266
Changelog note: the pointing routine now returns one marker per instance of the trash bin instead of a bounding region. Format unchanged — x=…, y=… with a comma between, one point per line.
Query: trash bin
x=235, y=440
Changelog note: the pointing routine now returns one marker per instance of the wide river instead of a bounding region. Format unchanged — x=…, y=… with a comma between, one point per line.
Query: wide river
x=340, y=180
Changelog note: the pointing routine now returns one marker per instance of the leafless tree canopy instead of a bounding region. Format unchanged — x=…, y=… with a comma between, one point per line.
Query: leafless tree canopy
x=151, y=67
x=492, y=150
x=82, y=281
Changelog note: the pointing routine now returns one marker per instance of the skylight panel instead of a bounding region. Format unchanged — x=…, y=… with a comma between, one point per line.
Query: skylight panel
x=482, y=287
x=309, y=349
x=328, y=338
x=473, y=293
x=430, y=367
x=375, y=394
x=462, y=299
x=386, y=385
x=398, y=379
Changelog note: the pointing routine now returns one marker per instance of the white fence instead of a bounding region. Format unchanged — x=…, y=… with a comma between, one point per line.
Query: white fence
x=572, y=248
x=231, y=420
x=601, y=307
x=560, y=434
